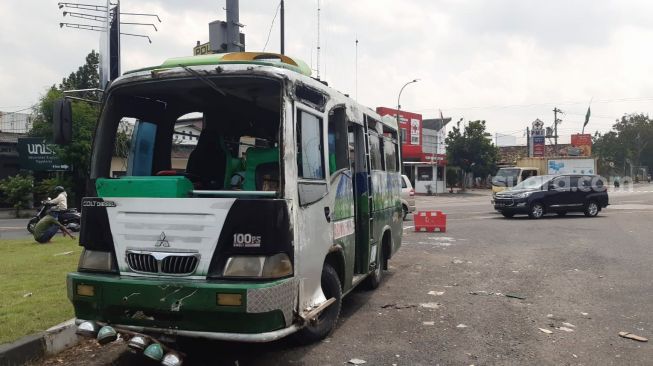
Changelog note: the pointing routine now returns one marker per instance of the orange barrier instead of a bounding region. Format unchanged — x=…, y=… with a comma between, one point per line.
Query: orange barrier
x=430, y=221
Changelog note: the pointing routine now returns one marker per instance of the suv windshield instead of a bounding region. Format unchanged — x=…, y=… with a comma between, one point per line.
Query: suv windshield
x=536, y=182
x=222, y=135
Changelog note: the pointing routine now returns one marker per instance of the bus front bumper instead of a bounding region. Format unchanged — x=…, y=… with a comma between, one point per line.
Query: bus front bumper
x=258, y=312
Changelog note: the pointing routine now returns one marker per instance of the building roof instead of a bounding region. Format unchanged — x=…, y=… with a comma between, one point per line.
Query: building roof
x=435, y=123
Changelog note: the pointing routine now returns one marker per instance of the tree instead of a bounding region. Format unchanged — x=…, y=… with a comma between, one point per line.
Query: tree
x=17, y=191
x=471, y=150
x=626, y=146
x=85, y=115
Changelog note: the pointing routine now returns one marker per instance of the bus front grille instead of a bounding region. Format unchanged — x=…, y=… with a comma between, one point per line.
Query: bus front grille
x=162, y=263
x=139, y=262
x=175, y=264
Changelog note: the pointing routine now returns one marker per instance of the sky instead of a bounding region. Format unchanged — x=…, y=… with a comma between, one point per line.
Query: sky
x=508, y=62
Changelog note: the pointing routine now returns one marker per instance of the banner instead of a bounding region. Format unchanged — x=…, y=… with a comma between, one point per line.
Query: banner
x=583, y=142
x=35, y=155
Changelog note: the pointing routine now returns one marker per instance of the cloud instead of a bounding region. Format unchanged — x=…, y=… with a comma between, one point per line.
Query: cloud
x=505, y=61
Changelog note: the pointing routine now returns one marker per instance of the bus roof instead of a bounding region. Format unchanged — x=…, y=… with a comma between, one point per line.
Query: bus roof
x=254, y=58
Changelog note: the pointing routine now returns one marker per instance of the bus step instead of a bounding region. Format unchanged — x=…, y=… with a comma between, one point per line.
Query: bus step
x=311, y=315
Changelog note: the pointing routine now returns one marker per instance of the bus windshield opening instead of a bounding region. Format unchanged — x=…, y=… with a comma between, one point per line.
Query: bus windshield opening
x=223, y=135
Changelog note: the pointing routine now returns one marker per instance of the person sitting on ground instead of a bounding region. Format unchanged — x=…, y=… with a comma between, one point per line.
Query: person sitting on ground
x=47, y=227
x=60, y=202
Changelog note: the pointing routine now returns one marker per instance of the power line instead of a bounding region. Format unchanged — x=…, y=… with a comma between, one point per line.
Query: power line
x=18, y=111
x=600, y=101
x=276, y=12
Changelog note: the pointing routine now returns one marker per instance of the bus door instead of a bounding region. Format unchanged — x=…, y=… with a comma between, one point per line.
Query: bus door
x=362, y=196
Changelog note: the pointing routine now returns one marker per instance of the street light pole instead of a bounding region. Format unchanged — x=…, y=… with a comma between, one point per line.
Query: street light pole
x=399, y=99
x=398, y=110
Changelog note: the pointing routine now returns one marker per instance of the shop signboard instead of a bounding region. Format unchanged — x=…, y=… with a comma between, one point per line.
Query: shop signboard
x=36, y=155
x=583, y=142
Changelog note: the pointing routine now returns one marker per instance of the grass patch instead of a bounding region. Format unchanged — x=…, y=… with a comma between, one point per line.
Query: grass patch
x=40, y=269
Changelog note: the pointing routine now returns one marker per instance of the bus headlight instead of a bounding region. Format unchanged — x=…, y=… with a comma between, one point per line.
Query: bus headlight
x=276, y=266
x=97, y=261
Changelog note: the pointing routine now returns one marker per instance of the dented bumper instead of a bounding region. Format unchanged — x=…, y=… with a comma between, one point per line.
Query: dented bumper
x=186, y=307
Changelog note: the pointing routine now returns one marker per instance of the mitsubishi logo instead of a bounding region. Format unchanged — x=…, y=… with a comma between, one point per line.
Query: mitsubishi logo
x=162, y=242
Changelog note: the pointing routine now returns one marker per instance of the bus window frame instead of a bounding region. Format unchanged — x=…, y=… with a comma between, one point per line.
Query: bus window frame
x=311, y=191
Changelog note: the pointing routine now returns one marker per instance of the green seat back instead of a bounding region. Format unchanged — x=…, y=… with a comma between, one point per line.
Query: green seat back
x=255, y=157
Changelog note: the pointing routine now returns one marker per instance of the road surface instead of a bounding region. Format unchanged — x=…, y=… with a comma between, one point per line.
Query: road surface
x=445, y=299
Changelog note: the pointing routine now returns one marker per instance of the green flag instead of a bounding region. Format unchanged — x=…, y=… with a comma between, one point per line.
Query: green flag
x=587, y=117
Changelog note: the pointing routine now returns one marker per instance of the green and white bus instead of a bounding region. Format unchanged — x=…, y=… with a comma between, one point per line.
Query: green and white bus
x=251, y=229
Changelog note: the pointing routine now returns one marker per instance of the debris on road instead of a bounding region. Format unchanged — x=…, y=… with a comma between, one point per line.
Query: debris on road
x=430, y=305
x=516, y=296
x=461, y=325
x=356, y=361
x=632, y=336
x=29, y=294
x=64, y=253
x=584, y=314
x=428, y=323
x=566, y=329
x=457, y=261
x=545, y=331
x=398, y=306
x=480, y=293
x=436, y=293
x=568, y=325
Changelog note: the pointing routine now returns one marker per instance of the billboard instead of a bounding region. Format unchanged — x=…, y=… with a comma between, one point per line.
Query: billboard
x=571, y=166
x=537, y=142
x=35, y=155
x=583, y=142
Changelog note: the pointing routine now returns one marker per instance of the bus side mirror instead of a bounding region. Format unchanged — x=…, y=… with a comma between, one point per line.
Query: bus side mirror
x=62, y=122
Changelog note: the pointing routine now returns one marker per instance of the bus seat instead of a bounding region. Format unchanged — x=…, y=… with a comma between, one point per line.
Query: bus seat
x=262, y=165
x=208, y=161
x=234, y=165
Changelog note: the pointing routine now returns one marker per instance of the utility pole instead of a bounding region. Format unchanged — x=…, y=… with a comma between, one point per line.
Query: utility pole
x=555, y=128
x=528, y=142
x=233, y=27
x=283, y=28
x=110, y=31
x=318, y=39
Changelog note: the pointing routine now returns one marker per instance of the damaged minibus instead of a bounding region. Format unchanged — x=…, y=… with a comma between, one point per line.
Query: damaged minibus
x=251, y=229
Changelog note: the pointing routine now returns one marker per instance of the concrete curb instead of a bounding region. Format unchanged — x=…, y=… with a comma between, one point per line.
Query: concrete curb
x=32, y=347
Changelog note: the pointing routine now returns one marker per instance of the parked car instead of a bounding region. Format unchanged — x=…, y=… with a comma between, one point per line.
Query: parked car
x=407, y=196
x=560, y=194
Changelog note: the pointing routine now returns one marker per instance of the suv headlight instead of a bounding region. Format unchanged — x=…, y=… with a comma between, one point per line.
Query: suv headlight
x=97, y=261
x=523, y=195
x=276, y=266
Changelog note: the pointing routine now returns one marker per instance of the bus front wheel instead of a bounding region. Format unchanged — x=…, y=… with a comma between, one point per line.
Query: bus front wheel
x=324, y=324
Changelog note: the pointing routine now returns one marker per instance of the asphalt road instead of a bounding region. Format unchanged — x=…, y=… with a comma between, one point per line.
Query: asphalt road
x=14, y=229
x=443, y=301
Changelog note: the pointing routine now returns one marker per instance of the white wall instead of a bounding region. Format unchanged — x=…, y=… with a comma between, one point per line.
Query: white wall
x=437, y=186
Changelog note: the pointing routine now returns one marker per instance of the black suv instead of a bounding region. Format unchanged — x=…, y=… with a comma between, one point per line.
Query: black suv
x=537, y=196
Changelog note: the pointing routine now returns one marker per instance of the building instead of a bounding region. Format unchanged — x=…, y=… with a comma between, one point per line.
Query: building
x=15, y=122
x=9, y=164
x=423, y=150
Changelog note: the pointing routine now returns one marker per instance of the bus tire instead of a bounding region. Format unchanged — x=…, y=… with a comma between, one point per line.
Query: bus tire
x=327, y=320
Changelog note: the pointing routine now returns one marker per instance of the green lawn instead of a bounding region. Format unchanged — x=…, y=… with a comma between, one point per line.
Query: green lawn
x=27, y=267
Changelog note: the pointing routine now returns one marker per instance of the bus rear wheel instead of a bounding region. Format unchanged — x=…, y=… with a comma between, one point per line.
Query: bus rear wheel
x=324, y=324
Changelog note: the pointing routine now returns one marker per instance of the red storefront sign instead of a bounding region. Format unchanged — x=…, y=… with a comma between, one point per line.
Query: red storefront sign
x=410, y=128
